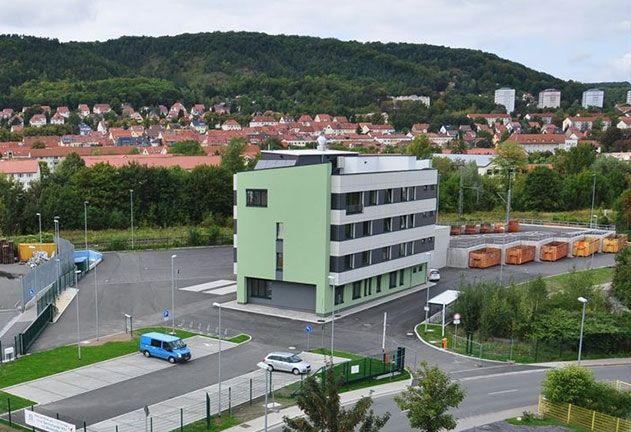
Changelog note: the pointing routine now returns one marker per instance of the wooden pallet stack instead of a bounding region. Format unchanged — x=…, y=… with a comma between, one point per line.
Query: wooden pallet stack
x=7, y=251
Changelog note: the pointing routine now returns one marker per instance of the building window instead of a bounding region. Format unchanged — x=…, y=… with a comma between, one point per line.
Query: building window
x=393, y=279
x=410, y=248
x=280, y=231
x=365, y=258
x=349, y=261
x=349, y=231
x=401, y=275
x=378, y=289
x=373, y=197
x=259, y=288
x=279, y=261
x=403, y=222
x=354, y=203
x=368, y=228
x=402, y=250
x=414, y=269
x=385, y=253
x=388, y=196
x=411, y=193
x=256, y=197
x=339, y=295
x=387, y=225
x=404, y=194
x=357, y=290
x=367, y=287
x=410, y=222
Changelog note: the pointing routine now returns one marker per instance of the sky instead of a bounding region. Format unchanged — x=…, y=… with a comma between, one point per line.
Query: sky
x=583, y=40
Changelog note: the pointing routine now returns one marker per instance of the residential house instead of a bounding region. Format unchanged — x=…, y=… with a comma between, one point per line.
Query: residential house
x=305, y=119
x=38, y=120
x=320, y=118
x=199, y=125
x=163, y=110
x=546, y=117
x=57, y=119
x=549, y=98
x=532, y=143
x=260, y=121
x=231, y=124
x=6, y=113
x=420, y=128
x=491, y=119
x=23, y=171
x=187, y=163
x=198, y=110
x=84, y=110
x=101, y=108
x=63, y=111
x=221, y=108
x=369, y=127
x=102, y=127
x=584, y=123
x=484, y=163
x=624, y=123
x=84, y=129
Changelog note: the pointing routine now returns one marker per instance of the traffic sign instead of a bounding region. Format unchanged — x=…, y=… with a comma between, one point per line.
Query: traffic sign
x=456, y=316
x=31, y=292
x=426, y=308
x=165, y=315
x=308, y=329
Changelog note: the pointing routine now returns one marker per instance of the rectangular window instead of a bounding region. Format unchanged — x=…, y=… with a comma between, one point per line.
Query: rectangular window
x=387, y=225
x=385, y=253
x=354, y=203
x=402, y=250
x=259, y=288
x=404, y=194
x=367, y=287
x=378, y=284
x=411, y=221
x=389, y=196
x=410, y=248
x=256, y=197
x=280, y=231
x=411, y=193
x=366, y=258
x=279, y=261
x=393, y=279
x=339, y=295
x=373, y=198
x=367, y=228
x=414, y=269
x=349, y=262
x=403, y=220
x=357, y=290
x=401, y=275
x=349, y=230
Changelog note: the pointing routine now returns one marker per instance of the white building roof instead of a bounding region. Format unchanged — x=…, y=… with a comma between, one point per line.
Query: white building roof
x=446, y=298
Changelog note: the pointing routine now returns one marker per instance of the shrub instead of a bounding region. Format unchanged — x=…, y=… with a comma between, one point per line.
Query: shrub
x=571, y=384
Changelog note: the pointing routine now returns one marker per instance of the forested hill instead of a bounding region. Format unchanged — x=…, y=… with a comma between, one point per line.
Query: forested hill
x=285, y=73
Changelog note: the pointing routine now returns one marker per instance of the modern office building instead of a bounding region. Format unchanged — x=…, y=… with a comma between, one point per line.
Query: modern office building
x=593, y=98
x=549, y=98
x=629, y=97
x=318, y=227
x=506, y=97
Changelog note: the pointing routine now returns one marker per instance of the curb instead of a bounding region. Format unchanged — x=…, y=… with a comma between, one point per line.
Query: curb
x=458, y=354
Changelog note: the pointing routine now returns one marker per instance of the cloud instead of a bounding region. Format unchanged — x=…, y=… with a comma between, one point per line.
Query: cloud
x=25, y=15
x=623, y=64
x=580, y=57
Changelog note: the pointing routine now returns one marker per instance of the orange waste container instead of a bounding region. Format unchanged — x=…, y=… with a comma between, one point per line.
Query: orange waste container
x=444, y=343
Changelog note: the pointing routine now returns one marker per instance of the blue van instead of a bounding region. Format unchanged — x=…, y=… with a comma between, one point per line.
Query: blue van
x=164, y=346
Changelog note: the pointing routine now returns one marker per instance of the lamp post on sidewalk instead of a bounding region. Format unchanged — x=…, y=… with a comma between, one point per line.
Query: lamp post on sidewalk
x=39, y=216
x=85, y=224
x=218, y=305
x=580, y=341
x=173, y=293
x=268, y=371
x=56, y=235
x=591, y=218
x=131, y=215
x=332, y=285
x=76, y=285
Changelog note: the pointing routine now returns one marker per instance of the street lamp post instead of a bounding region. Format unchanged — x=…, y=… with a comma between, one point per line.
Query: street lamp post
x=131, y=215
x=218, y=305
x=76, y=285
x=85, y=223
x=56, y=235
x=591, y=220
x=332, y=284
x=39, y=216
x=580, y=341
x=268, y=371
x=173, y=293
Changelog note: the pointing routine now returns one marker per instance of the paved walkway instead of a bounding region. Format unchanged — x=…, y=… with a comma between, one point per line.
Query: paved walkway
x=165, y=416
x=91, y=377
x=312, y=317
x=63, y=301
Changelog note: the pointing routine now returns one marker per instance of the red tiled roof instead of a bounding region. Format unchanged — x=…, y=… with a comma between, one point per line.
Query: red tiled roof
x=163, y=161
x=538, y=138
x=17, y=166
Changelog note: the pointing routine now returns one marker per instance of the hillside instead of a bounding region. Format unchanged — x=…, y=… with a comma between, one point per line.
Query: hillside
x=286, y=73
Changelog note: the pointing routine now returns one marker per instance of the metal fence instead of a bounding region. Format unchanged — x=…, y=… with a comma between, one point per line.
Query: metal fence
x=42, y=278
x=583, y=417
x=26, y=339
x=366, y=368
x=118, y=244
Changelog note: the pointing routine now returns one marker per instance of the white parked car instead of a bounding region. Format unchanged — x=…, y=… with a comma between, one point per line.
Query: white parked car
x=287, y=362
x=434, y=275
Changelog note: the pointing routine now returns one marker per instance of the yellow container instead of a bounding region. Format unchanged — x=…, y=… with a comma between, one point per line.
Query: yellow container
x=586, y=247
x=615, y=244
x=26, y=250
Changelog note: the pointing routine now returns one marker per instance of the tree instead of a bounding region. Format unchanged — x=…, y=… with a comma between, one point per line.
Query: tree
x=621, y=284
x=421, y=147
x=324, y=413
x=542, y=190
x=575, y=160
x=510, y=156
x=428, y=400
x=232, y=160
x=272, y=143
x=570, y=384
x=187, y=147
x=38, y=145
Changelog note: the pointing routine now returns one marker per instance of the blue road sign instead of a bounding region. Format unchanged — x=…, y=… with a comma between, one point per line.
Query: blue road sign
x=308, y=329
x=31, y=292
x=165, y=314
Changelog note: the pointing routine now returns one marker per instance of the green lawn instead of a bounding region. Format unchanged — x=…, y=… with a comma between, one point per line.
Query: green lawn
x=535, y=423
x=216, y=424
x=44, y=363
x=599, y=276
x=16, y=402
x=343, y=354
x=4, y=426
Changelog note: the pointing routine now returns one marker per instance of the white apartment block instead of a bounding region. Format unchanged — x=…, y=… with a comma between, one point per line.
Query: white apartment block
x=549, y=98
x=506, y=96
x=593, y=98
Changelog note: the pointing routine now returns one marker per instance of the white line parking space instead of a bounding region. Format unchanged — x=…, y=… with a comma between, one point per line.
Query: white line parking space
x=91, y=377
x=208, y=286
x=165, y=416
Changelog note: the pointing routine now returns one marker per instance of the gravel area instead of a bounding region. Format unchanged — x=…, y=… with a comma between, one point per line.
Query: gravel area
x=505, y=427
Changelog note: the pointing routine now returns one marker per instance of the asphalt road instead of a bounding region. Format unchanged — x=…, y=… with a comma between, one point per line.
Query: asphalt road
x=139, y=284
x=489, y=394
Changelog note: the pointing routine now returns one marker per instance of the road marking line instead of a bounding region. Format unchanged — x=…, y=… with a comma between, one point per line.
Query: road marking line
x=503, y=392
